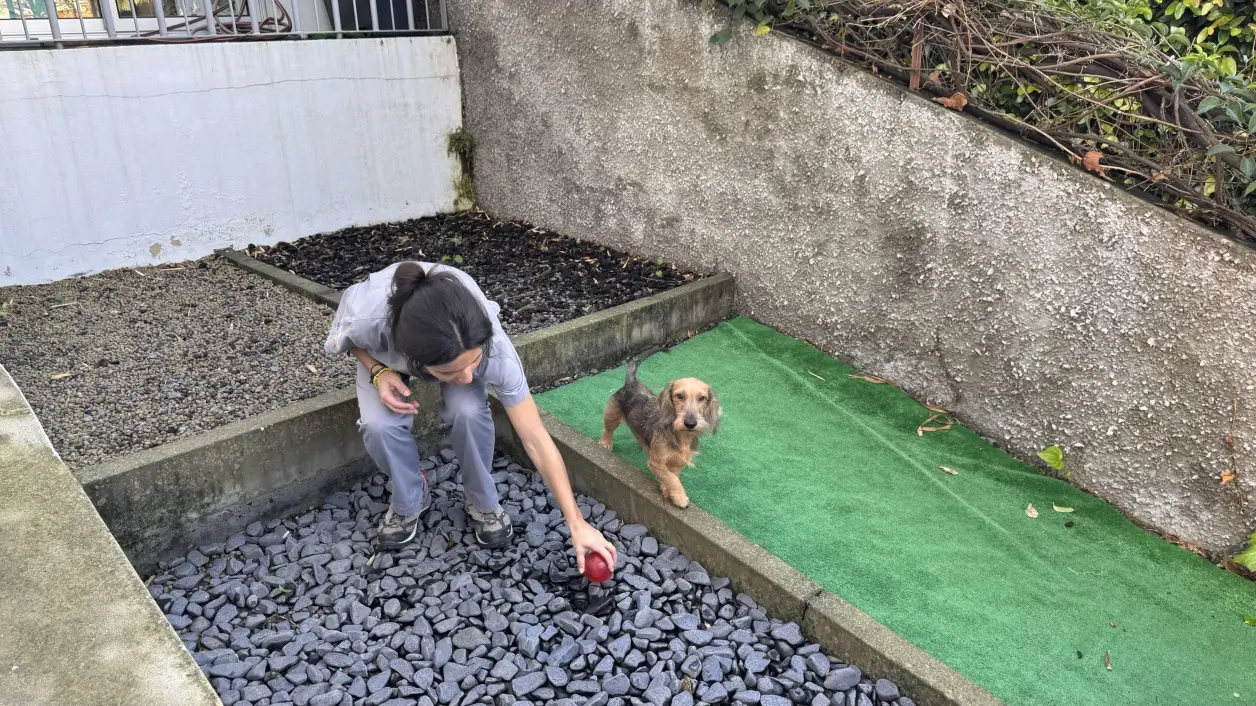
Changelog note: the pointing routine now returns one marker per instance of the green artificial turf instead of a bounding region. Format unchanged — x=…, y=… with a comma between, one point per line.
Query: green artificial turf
x=831, y=476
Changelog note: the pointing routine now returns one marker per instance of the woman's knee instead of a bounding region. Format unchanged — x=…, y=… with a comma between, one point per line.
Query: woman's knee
x=383, y=428
x=465, y=408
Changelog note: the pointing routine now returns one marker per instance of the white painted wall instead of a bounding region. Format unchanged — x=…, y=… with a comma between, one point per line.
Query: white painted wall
x=132, y=155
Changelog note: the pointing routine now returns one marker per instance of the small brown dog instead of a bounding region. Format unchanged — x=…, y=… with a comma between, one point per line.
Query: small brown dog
x=667, y=426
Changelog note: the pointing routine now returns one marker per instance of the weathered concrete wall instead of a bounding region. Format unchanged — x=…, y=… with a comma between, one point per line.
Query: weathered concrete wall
x=76, y=624
x=135, y=155
x=1038, y=302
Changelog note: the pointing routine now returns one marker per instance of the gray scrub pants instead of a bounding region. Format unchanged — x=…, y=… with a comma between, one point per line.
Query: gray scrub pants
x=390, y=443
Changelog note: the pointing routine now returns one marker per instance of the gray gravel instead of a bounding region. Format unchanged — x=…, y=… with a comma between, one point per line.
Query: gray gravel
x=159, y=353
x=291, y=611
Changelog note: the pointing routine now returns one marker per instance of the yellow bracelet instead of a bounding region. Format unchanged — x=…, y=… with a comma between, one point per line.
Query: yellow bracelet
x=375, y=377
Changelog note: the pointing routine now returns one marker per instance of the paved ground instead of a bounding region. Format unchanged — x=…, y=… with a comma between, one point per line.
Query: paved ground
x=293, y=611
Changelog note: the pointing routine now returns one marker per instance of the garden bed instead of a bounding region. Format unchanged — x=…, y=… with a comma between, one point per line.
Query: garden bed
x=130, y=359
x=293, y=611
x=538, y=277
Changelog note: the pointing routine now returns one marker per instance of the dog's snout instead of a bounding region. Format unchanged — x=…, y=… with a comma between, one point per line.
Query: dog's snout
x=690, y=421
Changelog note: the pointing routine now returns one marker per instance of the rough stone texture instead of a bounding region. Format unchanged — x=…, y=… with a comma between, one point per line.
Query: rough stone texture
x=1041, y=304
x=76, y=625
x=657, y=632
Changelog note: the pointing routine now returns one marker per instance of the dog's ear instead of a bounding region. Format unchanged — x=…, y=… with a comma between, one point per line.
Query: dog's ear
x=713, y=412
x=665, y=399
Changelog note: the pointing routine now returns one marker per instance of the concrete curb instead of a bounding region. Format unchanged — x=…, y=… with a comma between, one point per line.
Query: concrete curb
x=160, y=501
x=785, y=592
x=294, y=283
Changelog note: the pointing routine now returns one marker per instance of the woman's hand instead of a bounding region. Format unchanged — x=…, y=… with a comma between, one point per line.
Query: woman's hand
x=585, y=538
x=392, y=392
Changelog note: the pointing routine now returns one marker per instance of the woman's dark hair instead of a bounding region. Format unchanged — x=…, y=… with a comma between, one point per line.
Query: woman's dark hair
x=434, y=318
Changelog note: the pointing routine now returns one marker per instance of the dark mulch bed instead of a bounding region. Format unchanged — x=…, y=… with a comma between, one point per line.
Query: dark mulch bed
x=538, y=277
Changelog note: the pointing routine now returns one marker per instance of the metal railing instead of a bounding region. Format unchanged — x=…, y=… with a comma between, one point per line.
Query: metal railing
x=58, y=23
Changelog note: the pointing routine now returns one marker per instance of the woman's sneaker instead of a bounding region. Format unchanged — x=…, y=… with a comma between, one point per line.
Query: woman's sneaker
x=492, y=530
x=397, y=531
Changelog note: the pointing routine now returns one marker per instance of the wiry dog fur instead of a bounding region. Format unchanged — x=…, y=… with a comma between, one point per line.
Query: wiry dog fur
x=667, y=426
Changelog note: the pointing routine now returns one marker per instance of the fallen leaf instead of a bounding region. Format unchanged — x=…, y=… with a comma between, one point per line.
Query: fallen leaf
x=955, y=101
x=1091, y=163
x=939, y=410
x=1229, y=441
x=924, y=426
x=1054, y=456
x=814, y=375
x=936, y=78
x=868, y=378
x=952, y=471
x=1107, y=659
x=1058, y=508
x=1247, y=557
x=1031, y=510
x=61, y=376
x=762, y=30
x=1227, y=477
x=1249, y=620
x=311, y=368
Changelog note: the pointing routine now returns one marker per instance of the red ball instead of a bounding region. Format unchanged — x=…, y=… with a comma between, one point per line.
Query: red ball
x=595, y=568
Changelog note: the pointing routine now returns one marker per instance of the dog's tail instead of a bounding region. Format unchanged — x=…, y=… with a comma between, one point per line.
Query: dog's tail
x=630, y=378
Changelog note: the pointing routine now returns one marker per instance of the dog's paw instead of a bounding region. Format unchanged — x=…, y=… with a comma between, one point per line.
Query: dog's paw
x=607, y=444
x=680, y=500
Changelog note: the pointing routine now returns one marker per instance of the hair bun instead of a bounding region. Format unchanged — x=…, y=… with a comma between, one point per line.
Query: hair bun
x=407, y=279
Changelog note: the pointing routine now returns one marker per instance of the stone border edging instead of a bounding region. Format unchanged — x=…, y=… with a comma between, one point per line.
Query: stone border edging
x=294, y=283
x=785, y=592
x=160, y=501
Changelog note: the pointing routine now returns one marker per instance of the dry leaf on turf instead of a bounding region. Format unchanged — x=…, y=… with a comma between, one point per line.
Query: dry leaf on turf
x=935, y=408
x=1031, y=510
x=1227, y=477
x=924, y=427
x=311, y=368
x=814, y=375
x=60, y=376
x=1059, y=508
x=952, y=471
x=1107, y=659
x=955, y=101
x=867, y=378
x=1091, y=163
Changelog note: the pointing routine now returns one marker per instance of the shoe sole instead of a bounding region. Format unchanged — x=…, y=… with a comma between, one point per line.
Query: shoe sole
x=382, y=544
x=498, y=544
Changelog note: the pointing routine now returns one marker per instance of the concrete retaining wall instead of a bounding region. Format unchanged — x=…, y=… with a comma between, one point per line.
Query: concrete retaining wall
x=1040, y=303
x=135, y=155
